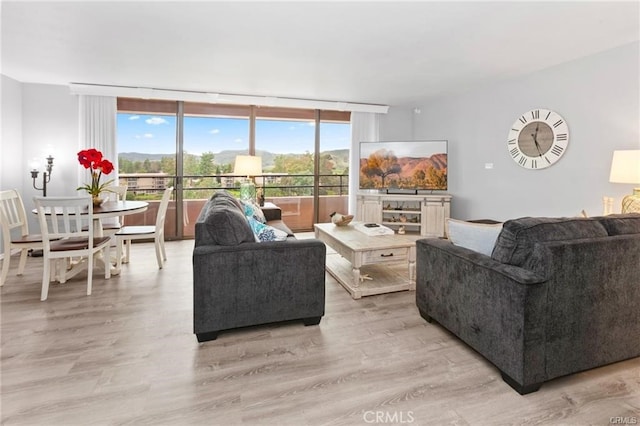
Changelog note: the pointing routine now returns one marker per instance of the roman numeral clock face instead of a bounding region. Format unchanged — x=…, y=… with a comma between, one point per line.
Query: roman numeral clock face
x=538, y=139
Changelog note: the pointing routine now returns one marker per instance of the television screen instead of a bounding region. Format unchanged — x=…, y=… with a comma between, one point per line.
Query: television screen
x=404, y=165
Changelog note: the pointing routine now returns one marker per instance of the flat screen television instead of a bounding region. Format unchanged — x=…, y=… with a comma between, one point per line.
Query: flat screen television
x=403, y=166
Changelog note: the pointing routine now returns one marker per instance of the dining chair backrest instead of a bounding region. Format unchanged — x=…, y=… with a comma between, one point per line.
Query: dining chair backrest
x=116, y=193
x=162, y=209
x=64, y=217
x=12, y=213
x=13, y=218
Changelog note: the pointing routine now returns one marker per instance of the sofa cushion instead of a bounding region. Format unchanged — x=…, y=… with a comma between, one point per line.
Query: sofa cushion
x=480, y=237
x=620, y=224
x=518, y=236
x=264, y=232
x=281, y=226
x=251, y=209
x=225, y=220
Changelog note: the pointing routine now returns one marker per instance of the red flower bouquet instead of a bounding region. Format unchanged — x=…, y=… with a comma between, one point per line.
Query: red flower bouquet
x=92, y=159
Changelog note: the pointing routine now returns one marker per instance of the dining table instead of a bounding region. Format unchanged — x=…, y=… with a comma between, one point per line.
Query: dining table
x=111, y=209
x=108, y=209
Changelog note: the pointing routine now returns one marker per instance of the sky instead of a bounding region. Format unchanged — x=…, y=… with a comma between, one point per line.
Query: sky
x=156, y=134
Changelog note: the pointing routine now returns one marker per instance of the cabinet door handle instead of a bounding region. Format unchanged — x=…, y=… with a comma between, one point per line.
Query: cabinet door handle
x=386, y=255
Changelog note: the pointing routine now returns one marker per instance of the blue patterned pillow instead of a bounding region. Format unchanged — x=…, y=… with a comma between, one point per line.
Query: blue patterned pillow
x=265, y=232
x=251, y=209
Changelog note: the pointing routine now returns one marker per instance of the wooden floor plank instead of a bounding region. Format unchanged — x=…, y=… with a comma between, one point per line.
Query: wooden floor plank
x=127, y=355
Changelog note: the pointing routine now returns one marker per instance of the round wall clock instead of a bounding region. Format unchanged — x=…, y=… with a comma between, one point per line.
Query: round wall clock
x=538, y=139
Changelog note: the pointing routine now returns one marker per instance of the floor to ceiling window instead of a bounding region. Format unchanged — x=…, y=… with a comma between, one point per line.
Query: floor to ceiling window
x=333, y=164
x=193, y=147
x=212, y=136
x=146, y=141
x=285, y=139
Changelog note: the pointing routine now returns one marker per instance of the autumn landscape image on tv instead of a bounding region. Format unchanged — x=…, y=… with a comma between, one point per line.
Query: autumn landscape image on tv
x=403, y=165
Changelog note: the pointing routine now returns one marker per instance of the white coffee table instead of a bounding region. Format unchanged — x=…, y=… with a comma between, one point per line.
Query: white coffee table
x=367, y=265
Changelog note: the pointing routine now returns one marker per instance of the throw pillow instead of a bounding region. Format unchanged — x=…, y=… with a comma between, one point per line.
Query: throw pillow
x=264, y=232
x=478, y=237
x=251, y=209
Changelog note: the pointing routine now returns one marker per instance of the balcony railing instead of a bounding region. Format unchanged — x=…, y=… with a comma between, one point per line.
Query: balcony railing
x=292, y=193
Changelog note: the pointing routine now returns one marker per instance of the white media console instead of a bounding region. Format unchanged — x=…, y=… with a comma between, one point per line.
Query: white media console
x=423, y=214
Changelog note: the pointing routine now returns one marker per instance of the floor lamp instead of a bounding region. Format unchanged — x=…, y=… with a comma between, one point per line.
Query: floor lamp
x=46, y=174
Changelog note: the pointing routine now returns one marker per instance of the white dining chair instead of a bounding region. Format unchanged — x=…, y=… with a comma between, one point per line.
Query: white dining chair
x=13, y=216
x=112, y=225
x=128, y=233
x=117, y=193
x=64, y=235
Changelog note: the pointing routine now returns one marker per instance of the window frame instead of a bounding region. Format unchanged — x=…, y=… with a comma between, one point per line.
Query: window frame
x=252, y=112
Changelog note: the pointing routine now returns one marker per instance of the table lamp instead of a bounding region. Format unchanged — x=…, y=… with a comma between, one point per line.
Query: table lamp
x=625, y=168
x=249, y=166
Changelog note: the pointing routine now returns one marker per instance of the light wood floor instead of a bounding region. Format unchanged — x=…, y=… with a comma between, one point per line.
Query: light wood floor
x=127, y=355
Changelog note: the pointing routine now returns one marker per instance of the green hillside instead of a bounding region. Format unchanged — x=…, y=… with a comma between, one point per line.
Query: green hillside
x=339, y=156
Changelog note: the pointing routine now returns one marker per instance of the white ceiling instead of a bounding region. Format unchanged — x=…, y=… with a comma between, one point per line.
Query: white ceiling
x=391, y=53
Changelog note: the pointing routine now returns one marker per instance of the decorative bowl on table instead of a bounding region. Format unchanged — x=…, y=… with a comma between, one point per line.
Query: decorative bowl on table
x=339, y=219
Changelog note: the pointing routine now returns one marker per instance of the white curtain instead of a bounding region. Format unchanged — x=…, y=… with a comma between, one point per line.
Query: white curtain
x=365, y=127
x=98, y=130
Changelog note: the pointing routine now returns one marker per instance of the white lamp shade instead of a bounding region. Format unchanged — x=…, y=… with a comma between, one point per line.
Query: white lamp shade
x=34, y=164
x=625, y=166
x=248, y=165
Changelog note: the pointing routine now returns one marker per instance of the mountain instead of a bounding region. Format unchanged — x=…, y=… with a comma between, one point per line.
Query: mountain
x=229, y=157
x=409, y=165
x=139, y=156
x=339, y=156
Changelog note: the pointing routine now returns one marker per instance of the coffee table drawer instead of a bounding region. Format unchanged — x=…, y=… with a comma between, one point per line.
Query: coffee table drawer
x=385, y=255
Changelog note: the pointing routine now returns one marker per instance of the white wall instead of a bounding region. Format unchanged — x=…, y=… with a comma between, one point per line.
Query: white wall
x=397, y=124
x=34, y=118
x=50, y=125
x=599, y=98
x=11, y=146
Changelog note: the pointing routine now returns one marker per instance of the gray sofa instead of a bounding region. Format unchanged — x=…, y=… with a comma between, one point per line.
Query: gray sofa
x=238, y=282
x=556, y=296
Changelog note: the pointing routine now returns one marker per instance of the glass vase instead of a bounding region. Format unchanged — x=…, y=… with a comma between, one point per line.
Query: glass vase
x=97, y=200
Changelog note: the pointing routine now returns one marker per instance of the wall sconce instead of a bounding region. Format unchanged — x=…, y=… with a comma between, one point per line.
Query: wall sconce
x=625, y=168
x=46, y=175
x=249, y=166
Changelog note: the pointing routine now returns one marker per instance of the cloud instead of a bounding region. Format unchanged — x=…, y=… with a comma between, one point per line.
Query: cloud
x=155, y=120
x=300, y=125
x=134, y=117
x=148, y=135
x=238, y=140
x=214, y=131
